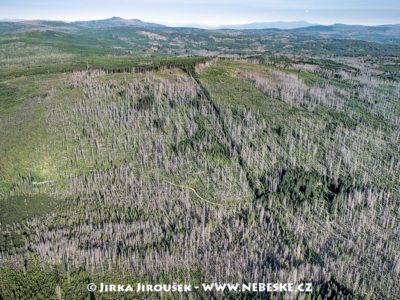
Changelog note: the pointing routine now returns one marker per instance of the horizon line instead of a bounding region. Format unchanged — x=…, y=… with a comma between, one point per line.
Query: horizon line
x=204, y=25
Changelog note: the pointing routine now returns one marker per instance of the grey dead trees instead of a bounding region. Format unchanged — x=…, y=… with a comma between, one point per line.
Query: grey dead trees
x=124, y=138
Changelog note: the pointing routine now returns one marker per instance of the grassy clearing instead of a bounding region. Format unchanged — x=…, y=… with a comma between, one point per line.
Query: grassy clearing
x=233, y=91
x=25, y=144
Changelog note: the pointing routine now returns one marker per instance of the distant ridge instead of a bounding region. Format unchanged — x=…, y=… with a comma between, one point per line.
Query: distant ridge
x=269, y=25
x=11, y=20
x=7, y=25
x=346, y=27
x=115, y=22
x=388, y=33
x=379, y=33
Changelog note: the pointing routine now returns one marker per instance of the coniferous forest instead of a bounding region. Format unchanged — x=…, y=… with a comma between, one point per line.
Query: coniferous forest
x=144, y=153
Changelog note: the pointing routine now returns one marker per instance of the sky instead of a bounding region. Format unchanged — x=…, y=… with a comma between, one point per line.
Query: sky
x=208, y=12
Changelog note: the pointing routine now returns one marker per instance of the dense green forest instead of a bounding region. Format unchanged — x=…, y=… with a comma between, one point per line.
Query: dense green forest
x=180, y=155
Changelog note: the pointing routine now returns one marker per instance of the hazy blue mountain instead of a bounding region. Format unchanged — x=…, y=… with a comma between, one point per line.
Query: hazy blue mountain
x=10, y=20
x=351, y=28
x=115, y=22
x=381, y=33
x=33, y=25
x=266, y=25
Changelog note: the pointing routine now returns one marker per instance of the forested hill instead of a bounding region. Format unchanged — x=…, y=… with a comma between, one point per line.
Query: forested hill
x=166, y=155
x=388, y=34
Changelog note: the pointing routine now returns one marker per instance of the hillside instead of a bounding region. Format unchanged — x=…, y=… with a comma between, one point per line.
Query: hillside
x=387, y=34
x=187, y=155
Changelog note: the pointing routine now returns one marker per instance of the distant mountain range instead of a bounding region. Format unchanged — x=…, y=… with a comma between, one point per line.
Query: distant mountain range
x=7, y=25
x=268, y=25
x=11, y=20
x=115, y=22
x=381, y=33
